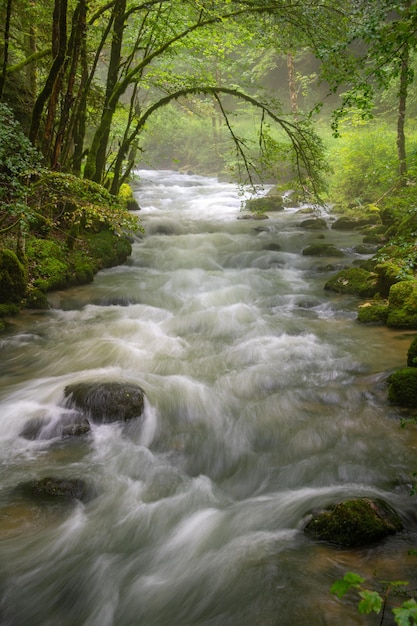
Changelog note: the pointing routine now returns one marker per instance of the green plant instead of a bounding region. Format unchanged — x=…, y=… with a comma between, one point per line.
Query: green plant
x=18, y=161
x=372, y=601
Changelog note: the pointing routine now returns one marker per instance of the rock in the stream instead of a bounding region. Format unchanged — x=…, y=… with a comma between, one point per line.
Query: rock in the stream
x=106, y=402
x=353, y=523
x=51, y=489
x=72, y=424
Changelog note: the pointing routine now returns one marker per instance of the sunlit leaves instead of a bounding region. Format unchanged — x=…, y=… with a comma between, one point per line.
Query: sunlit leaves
x=349, y=581
x=371, y=602
x=406, y=615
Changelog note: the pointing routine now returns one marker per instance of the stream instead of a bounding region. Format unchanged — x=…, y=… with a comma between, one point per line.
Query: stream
x=265, y=400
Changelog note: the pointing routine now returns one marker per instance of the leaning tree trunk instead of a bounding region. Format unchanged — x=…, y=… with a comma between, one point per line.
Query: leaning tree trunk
x=60, y=32
x=97, y=158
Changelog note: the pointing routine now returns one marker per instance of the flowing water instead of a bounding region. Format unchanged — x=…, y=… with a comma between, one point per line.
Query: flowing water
x=265, y=400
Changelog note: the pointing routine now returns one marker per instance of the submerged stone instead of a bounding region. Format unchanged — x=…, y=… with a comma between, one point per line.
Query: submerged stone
x=54, y=489
x=353, y=523
x=106, y=402
x=70, y=425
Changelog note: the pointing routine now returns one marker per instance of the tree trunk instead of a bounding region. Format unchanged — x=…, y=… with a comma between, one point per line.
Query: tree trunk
x=402, y=103
x=59, y=47
x=291, y=84
x=6, y=39
x=74, y=47
x=97, y=161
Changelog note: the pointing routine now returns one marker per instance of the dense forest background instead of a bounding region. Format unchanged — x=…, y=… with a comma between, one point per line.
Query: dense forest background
x=318, y=94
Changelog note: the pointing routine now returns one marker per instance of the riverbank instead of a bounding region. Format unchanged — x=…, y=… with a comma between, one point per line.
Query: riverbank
x=79, y=230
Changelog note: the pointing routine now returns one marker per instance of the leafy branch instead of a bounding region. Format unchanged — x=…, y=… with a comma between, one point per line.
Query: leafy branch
x=375, y=602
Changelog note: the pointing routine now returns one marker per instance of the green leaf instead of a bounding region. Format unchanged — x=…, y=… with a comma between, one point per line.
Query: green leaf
x=349, y=581
x=371, y=602
x=406, y=615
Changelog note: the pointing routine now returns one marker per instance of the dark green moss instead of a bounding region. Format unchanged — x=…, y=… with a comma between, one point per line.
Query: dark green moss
x=354, y=523
x=354, y=280
x=412, y=354
x=35, y=299
x=49, y=269
x=265, y=204
x=314, y=223
x=402, y=389
x=373, y=313
x=13, y=278
x=322, y=249
x=402, y=311
x=108, y=249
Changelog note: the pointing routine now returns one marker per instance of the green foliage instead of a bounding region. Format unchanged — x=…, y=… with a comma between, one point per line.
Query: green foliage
x=18, y=162
x=13, y=278
x=402, y=388
x=363, y=161
x=73, y=201
x=349, y=581
x=372, y=601
x=406, y=615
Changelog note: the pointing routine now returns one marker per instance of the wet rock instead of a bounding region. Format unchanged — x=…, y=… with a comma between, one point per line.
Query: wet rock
x=322, y=249
x=402, y=309
x=373, y=312
x=355, y=281
x=353, y=523
x=365, y=248
x=73, y=424
x=104, y=403
x=274, y=247
x=351, y=223
x=412, y=354
x=253, y=216
x=52, y=489
x=402, y=387
x=265, y=204
x=314, y=223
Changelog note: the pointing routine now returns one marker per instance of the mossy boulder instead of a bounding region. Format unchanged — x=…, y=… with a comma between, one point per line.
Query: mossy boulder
x=106, y=402
x=402, y=387
x=402, y=310
x=314, y=223
x=388, y=273
x=126, y=196
x=353, y=223
x=353, y=523
x=48, y=267
x=355, y=281
x=265, y=204
x=373, y=313
x=108, y=249
x=322, y=249
x=13, y=278
x=412, y=354
x=35, y=299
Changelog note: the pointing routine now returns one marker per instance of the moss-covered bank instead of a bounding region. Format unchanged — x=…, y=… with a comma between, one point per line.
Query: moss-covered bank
x=77, y=229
